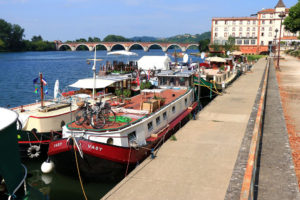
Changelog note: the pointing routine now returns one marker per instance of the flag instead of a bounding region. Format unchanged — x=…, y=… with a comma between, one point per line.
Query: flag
x=44, y=82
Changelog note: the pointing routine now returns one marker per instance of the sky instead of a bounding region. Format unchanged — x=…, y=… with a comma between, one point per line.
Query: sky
x=74, y=19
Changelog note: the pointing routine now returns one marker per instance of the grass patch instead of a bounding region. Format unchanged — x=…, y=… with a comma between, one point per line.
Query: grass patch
x=254, y=57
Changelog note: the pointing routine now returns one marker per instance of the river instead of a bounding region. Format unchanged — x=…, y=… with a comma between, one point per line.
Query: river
x=16, y=88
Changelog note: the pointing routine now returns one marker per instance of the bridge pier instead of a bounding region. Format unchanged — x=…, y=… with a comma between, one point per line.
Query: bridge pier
x=73, y=48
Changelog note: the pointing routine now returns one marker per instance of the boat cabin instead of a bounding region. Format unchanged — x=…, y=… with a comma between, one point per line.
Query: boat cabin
x=180, y=79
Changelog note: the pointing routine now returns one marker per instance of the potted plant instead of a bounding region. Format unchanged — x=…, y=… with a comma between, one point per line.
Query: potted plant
x=118, y=92
x=127, y=94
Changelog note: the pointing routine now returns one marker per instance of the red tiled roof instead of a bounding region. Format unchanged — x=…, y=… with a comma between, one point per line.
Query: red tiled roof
x=269, y=10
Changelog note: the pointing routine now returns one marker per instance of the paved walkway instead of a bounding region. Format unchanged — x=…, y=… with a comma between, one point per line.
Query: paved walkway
x=199, y=165
x=276, y=174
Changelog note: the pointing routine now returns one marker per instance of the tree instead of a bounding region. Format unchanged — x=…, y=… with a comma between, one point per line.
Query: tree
x=115, y=38
x=204, y=45
x=36, y=38
x=292, y=22
x=230, y=44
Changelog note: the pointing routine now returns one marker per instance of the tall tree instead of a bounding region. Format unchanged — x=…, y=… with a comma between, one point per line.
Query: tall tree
x=230, y=44
x=36, y=38
x=204, y=45
x=292, y=22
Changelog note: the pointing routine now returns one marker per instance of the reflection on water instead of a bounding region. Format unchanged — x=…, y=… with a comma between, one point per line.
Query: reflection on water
x=57, y=186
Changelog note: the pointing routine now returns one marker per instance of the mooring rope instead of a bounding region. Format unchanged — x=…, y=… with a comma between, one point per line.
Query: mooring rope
x=78, y=171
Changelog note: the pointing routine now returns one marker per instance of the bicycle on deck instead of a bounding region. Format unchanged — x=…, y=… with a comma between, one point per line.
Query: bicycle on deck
x=97, y=115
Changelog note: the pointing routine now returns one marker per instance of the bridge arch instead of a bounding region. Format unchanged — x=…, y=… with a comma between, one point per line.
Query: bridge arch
x=192, y=45
x=101, y=45
x=82, y=44
x=136, y=44
x=117, y=44
x=155, y=44
x=64, y=47
x=175, y=45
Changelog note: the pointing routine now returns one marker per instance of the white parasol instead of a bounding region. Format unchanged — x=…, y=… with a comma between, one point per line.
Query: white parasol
x=122, y=52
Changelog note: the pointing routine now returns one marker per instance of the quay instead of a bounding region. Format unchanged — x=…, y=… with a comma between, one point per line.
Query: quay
x=237, y=148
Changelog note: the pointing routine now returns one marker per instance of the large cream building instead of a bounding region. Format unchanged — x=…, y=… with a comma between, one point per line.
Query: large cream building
x=252, y=34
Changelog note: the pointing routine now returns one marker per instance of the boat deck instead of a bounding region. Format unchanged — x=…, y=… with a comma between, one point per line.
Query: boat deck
x=132, y=110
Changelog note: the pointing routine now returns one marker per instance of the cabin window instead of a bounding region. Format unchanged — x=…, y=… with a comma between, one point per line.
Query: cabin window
x=132, y=136
x=164, y=81
x=157, y=120
x=182, y=81
x=185, y=101
x=150, y=126
x=110, y=141
x=165, y=115
x=173, y=109
x=172, y=82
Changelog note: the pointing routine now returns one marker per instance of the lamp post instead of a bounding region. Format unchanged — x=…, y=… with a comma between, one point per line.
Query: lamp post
x=275, y=38
x=281, y=15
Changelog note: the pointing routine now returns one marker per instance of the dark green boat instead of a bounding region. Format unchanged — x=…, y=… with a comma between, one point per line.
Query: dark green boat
x=12, y=172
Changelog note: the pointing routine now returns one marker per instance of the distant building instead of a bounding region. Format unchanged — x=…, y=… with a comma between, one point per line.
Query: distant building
x=253, y=34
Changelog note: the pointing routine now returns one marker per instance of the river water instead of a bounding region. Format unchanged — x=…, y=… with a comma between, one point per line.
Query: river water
x=17, y=71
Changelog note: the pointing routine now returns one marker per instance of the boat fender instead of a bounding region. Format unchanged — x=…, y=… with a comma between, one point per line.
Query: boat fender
x=47, y=166
x=33, y=151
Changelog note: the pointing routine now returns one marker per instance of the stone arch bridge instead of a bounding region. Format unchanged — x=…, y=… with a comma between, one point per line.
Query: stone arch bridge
x=126, y=45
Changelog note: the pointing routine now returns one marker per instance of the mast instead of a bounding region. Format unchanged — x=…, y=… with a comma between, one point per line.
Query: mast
x=42, y=91
x=94, y=74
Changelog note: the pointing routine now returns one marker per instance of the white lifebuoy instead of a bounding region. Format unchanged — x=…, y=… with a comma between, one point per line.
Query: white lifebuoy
x=33, y=151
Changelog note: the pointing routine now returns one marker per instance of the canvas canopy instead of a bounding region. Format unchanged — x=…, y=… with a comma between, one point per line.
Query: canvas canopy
x=154, y=62
x=88, y=83
x=122, y=52
x=216, y=59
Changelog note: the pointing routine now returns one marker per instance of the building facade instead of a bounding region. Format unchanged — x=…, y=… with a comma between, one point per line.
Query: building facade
x=253, y=34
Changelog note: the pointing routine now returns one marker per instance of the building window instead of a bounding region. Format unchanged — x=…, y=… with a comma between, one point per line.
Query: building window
x=165, y=115
x=270, y=34
x=233, y=22
x=262, y=28
x=271, y=15
x=225, y=22
x=216, y=34
x=216, y=22
x=253, y=41
x=248, y=34
x=248, y=29
x=248, y=22
x=173, y=109
x=253, y=29
x=241, y=22
x=241, y=29
x=240, y=34
x=271, y=21
x=216, y=29
x=157, y=120
x=263, y=21
x=225, y=34
x=233, y=28
x=225, y=29
x=150, y=126
x=262, y=34
x=239, y=42
x=233, y=34
x=262, y=43
x=246, y=41
x=270, y=29
x=254, y=22
x=263, y=16
x=253, y=34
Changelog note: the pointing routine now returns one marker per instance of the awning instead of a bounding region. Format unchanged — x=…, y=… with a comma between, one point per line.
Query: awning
x=154, y=62
x=88, y=83
x=216, y=59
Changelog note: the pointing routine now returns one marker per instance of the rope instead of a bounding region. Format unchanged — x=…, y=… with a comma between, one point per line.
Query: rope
x=128, y=161
x=22, y=181
x=78, y=171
